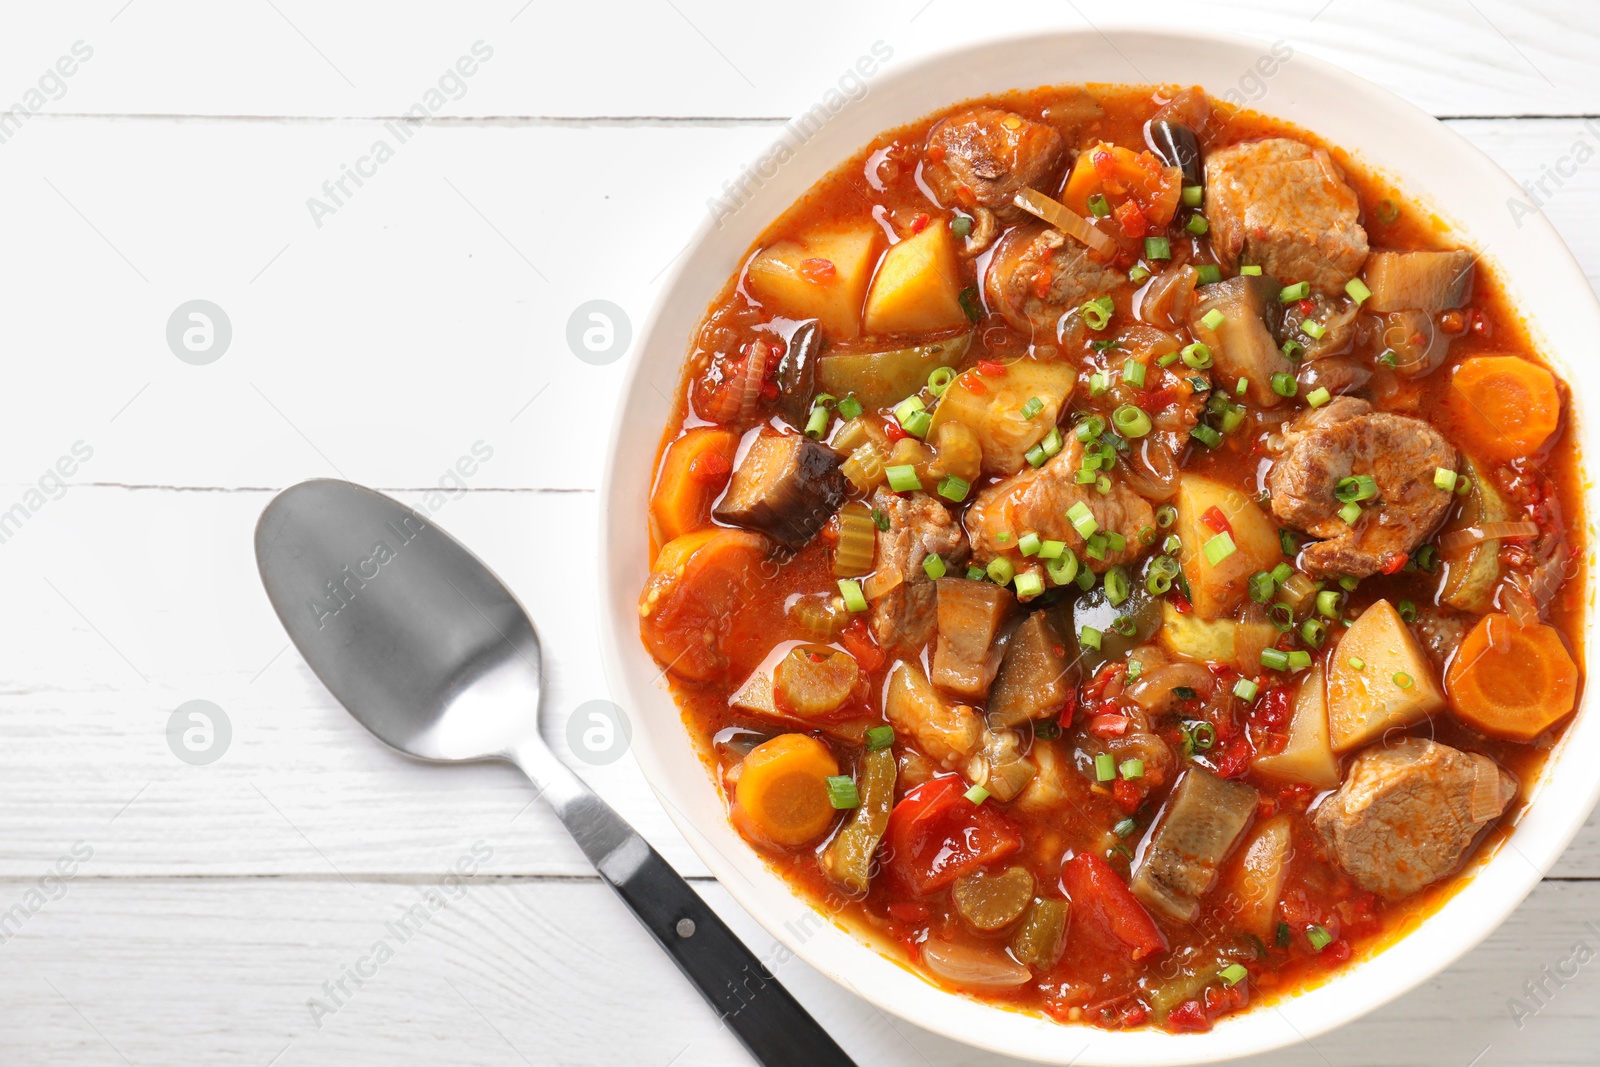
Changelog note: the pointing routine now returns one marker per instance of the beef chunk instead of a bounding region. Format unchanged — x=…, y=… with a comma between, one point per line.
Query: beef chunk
x=786, y=486
x=1407, y=813
x=1019, y=259
x=980, y=159
x=919, y=526
x=1346, y=437
x=1285, y=206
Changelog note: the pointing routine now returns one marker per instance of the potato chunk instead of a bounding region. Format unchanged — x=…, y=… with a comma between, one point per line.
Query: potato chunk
x=1393, y=687
x=992, y=407
x=918, y=285
x=1217, y=588
x=822, y=276
x=1308, y=757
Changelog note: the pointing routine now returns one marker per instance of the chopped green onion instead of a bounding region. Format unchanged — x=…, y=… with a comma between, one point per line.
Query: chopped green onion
x=1102, y=485
x=1082, y=519
x=1115, y=540
x=817, y=424
x=1206, y=435
x=1241, y=387
x=1167, y=360
x=1124, y=625
x=1086, y=476
x=1099, y=382
x=1356, y=663
x=1444, y=479
x=1463, y=486
x=1125, y=827
x=1426, y=558
x=1063, y=568
x=1191, y=195
x=1116, y=583
x=1407, y=610
x=1292, y=350
x=1313, y=632
x=1282, y=617
x=1132, y=768
x=1138, y=274
x=1288, y=541
x=880, y=738
x=1348, y=584
x=1131, y=421
x=880, y=518
x=1029, y=585
x=1097, y=312
x=1262, y=587
x=1133, y=373
x=1319, y=938
x=1089, y=428
x=1284, y=384
x=1209, y=273
x=1212, y=319
x=1403, y=680
x=1318, y=396
x=1089, y=637
x=1028, y=544
x=1219, y=548
x=903, y=478
x=1358, y=290
x=850, y=407
x=850, y=589
x=1051, y=549
x=1350, y=512
x=842, y=791
x=1313, y=329
x=1388, y=358
x=1328, y=603
x=977, y=794
x=961, y=225
x=1135, y=668
x=1299, y=659
x=918, y=424
x=1103, y=344
x=1001, y=570
x=953, y=489
x=907, y=407
x=1233, y=974
x=1032, y=407
x=1105, y=768
x=1245, y=689
x=1251, y=269
x=1197, y=356
x=1274, y=658
x=1282, y=573
x=1098, y=206
x=1357, y=487
x=933, y=566
x=939, y=380
x=976, y=574
x=1157, y=248
x=1197, y=225
x=1297, y=291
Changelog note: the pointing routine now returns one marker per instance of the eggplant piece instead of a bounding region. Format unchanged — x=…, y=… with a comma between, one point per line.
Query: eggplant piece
x=1418, y=280
x=1419, y=346
x=787, y=486
x=1177, y=146
x=1204, y=819
x=797, y=374
x=848, y=859
x=1337, y=374
x=1243, y=343
x=1035, y=676
x=971, y=615
x=1094, y=609
x=879, y=379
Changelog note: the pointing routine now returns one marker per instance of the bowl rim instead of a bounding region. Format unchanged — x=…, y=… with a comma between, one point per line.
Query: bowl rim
x=1557, y=807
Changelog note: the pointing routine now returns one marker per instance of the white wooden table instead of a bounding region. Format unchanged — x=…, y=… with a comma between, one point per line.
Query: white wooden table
x=232, y=911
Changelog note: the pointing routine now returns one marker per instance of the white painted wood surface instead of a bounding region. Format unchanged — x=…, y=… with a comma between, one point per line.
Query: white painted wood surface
x=427, y=315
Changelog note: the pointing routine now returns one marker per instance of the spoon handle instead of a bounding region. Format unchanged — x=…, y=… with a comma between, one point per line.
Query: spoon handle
x=746, y=997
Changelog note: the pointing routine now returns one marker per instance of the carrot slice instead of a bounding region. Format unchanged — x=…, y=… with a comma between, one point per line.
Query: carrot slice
x=1515, y=691
x=699, y=581
x=782, y=794
x=695, y=470
x=1504, y=406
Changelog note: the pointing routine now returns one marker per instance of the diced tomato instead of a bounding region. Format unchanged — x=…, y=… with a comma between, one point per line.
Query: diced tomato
x=1306, y=307
x=935, y=153
x=1336, y=952
x=1068, y=709
x=1134, y=1014
x=973, y=385
x=1214, y=518
x=710, y=467
x=1107, y=904
x=1127, y=795
x=894, y=431
x=857, y=640
x=1395, y=562
x=1108, y=725
x=920, y=222
x=1180, y=603
x=819, y=271
x=769, y=390
x=935, y=835
x=1039, y=285
x=1236, y=756
x=1131, y=219
x=991, y=369
x=1188, y=1018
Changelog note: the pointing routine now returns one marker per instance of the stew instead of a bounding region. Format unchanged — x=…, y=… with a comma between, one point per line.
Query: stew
x=1120, y=556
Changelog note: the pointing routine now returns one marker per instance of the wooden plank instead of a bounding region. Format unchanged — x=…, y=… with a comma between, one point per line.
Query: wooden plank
x=166, y=579
x=414, y=324
x=559, y=973
x=710, y=57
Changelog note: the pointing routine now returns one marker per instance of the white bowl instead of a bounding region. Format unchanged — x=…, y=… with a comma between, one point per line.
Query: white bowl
x=1382, y=132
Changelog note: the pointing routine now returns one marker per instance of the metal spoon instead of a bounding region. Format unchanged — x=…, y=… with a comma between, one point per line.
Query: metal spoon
x=429, y=650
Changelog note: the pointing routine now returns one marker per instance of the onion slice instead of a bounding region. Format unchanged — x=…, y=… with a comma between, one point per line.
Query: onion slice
x=1485, y=803
x=885, y=579
x=1067, y=221
x=1456, y=540
x=974, y=967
